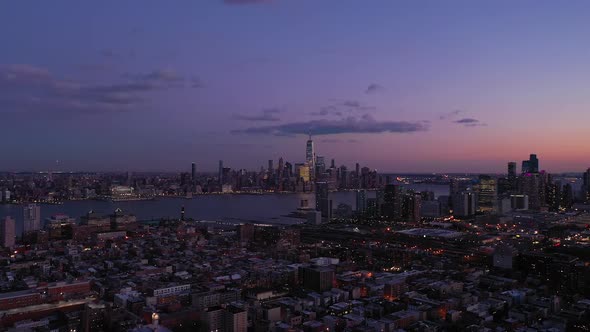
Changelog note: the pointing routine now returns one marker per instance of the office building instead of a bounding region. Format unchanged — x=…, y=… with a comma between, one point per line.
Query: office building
x=392, y=202
x=193, y=172
x=411, y=209
x=531, y=165
x=31, y=218
x=8, y=232
x=464, y=204
x=310, y=157
x=487, y=193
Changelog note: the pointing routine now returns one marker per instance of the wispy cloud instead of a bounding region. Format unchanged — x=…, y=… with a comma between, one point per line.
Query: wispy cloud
x=337, y=141
x=469, y=122
x=30, y=88
x=245, y=2
x=366, y=124
x=341, y=108
x=450, y=115
x=265, y=115
x=374, y=88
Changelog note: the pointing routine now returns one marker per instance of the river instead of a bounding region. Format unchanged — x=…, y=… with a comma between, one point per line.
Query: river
x=267, y=208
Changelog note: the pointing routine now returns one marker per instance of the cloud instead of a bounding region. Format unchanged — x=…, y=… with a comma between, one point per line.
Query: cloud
x=244, y=2
x=335, y=140
x=265, y=115
x=331, y=127
x=30, y=88
x=374, y=88
x=469, y=122
x=450, y=115
x=340, y=107
x=328, y=110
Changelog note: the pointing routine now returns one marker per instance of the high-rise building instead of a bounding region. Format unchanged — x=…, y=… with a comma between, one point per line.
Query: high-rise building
x=392, y=202
x=310, y=156
x=512, y=177
x=531, y=165
x=31, y=218
x=512, y=170
x=361, y=202
x=220, y=173
x=533, y=185
x=303, y=172
x=322, y=200
x=193, y=172
x=281, y=169
x=320, y=166
x=333, y=163
x=464, y=204
x=487, y=193
x=8, y=232
x=586, y=185
x=412, y=203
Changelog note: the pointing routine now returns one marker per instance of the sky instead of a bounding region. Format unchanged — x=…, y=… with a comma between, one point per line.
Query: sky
x=399, y=86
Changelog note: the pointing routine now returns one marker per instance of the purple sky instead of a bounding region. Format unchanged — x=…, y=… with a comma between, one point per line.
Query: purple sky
x=402, y=86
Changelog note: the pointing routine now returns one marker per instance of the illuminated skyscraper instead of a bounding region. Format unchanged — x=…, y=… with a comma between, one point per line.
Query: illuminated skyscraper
x=487, y=193
x=320, y=166
x=310, y=156
x=31, y=218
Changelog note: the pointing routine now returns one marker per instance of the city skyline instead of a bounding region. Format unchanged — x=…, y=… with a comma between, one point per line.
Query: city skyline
x=419, y=87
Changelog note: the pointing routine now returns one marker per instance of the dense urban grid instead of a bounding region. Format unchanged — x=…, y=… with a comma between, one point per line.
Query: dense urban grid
x=506, y=252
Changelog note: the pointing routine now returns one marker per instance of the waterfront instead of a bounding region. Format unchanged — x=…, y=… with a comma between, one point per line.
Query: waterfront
x=268, y=208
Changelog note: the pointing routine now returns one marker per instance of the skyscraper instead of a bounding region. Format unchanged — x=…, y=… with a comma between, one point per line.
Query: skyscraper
x=464, y=204
x=511, y=170
x=281, y=168
x=193, y=171
x=31, y=218
x=8, y=232
x=220, y=175
x=531, y=165
x=322, y=201
x=310, y=157
x=320, y=166
x=487, y=193
x=392, y=202
x=586, y=185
